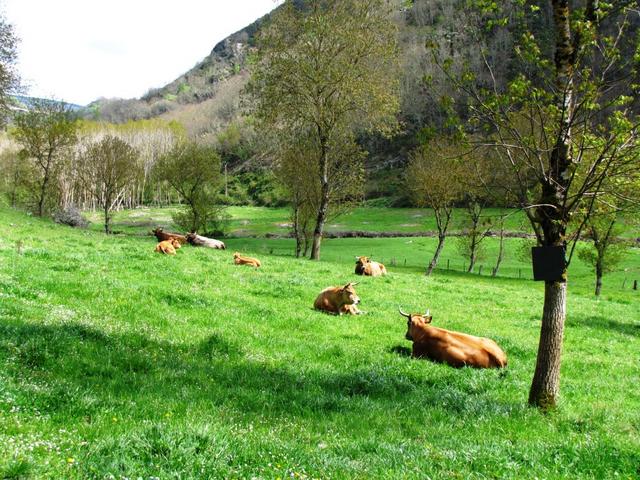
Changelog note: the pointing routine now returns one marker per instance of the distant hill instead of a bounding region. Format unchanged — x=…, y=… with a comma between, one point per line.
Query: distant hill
x=23, y=102
x=207, y=97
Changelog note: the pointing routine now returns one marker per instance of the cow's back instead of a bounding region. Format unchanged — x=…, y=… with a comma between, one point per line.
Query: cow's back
x=455, y=348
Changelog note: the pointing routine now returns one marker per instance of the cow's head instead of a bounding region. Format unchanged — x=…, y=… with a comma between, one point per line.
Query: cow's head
x=414, y=318
x=156, y=231
x=176, y=243
x=363, y=260
x=348, y=294
x=236, y=254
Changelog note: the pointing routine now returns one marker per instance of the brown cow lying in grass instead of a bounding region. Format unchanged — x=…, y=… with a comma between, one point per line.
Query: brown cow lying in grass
x=364, y=266
x=200, y=241
x=241, y=260
x=453, y=348
x=161, y=235
x=338, y=300
x=168, y=247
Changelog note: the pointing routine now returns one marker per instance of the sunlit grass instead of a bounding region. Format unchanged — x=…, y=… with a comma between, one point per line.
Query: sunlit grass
x=116, y=361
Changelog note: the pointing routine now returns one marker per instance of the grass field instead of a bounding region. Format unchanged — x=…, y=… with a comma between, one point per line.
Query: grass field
x=116, y=362
x=258, y=221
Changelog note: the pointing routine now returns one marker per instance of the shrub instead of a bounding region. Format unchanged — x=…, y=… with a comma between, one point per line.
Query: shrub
x=71, y=216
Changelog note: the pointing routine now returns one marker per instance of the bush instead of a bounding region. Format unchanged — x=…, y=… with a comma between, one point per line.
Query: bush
x=71, y=216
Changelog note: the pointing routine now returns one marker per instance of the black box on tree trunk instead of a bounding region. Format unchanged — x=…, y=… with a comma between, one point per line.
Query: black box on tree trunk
x=548, y=263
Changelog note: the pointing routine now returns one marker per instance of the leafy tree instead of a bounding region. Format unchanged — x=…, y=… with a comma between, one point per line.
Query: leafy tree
x=606, y=250
x=107, y=169
x=45, y=133
x=9, y=79
x=194, y=173
x=475, y=229
x=569, y=107
x=434, y=182
x=327, y=71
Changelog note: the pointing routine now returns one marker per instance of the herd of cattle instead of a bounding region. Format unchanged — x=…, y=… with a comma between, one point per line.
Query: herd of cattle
x=437, y=344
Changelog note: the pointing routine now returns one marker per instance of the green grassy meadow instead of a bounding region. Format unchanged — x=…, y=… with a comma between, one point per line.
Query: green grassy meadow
x=258, y=221
x=117, y=362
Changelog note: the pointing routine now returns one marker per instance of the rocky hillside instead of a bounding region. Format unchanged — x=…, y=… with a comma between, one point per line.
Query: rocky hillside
x=207, y=96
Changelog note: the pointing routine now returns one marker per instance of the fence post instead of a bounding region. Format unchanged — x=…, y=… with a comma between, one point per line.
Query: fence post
x=480, y=270
x=405, y=262
x=519, y=273
x=448, y=260
x=635, y=284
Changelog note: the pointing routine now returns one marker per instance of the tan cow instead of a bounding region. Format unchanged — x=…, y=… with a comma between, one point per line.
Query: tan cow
x=168, y=247
x=161, y=235
x=453, y=348
x=338, y=300
x=241, y=260
x=364, y=266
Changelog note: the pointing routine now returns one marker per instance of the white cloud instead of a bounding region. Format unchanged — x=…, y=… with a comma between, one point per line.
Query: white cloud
x=79, y=50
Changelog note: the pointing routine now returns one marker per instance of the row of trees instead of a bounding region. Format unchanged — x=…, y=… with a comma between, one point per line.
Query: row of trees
x=58, y=162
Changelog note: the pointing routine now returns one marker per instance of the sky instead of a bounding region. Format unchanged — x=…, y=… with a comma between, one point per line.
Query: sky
x=80, y=50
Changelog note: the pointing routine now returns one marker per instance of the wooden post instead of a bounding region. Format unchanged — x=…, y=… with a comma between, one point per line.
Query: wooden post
x=635, y=284
x=405, y=262
x=519, y=273
x=480, y=270
x=448, y=263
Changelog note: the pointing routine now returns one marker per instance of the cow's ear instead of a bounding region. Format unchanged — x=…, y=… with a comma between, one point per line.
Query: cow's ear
x=428, y=319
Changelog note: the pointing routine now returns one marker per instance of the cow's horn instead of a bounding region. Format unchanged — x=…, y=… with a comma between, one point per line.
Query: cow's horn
x=357, y=257
x=426, y=314
x=402, y=313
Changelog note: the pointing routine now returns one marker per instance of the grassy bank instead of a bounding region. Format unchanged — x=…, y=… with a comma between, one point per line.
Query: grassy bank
x=118, y=362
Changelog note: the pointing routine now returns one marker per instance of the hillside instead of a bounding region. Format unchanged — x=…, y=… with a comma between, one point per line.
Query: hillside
x=207, y=97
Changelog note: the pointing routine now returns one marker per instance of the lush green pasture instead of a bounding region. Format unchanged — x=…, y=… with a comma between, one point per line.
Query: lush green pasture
x=258, y=221
x=118, y=362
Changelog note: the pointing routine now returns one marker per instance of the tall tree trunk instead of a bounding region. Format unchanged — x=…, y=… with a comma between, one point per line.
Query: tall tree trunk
x=500, y=252
x=436, y=256
x=545, y=386
x=473, y=253
x=324, y=201
x=320, y=221
x=296, y=229
x=553, y=217
x=599, y=273
x=43, y=193
x=107, y=218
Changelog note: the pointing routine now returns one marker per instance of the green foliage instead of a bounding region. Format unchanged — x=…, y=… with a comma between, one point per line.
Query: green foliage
x=328, y=72
x=194, y=173
x=45, y=133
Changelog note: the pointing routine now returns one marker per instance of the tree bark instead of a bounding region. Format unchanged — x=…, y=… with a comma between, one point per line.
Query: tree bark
x=107, y=226
x=599, y=273
x=500, y=252
x=436, y=256
x=553, y=218
x=43, y=192
x=324, y=200
x=545, y=386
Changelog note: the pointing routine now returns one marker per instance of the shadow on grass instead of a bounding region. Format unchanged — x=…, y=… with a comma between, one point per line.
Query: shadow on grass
x=401, y=351
x=606, y=324
x=86, y=371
